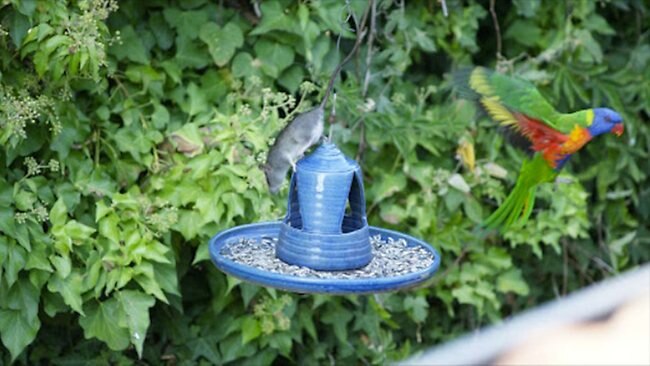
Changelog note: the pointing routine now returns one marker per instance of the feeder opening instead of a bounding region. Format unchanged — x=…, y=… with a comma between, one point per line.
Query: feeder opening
x=355, y=215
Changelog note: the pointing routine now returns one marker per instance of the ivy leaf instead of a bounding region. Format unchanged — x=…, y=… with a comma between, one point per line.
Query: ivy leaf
x=189, y=223
x=417, y=308
x=160, y=116
x=387, y=187
x=232, y=348
x=338, y=319
x=23, y=296
x=26, y=7
x=190, y=54
x=16, y=257
x=527, y=8
x=167, y=278
x=20, y=24
x=132, y=140
x=109, y=227
x=186, y=23
x=62, y=263
x=235, y=204
x=24, y=200
x=274, y=57
x=598, y=24
x=251, y=329
x=282, y=342
x=590, y=45
x=188, y=140
x=7, y=222
x=101, y=210
x=274, y=18
x=69, y=135
x=19, y=315
x=499, y=258
x=525, y=32
x=18, y=330
x=58, y=213
x=512, y=281
x=222, y=42
x=331, y=14
x=308, y=323
x=466, y=295
x=162, y=31
x=130, y=47
x=6, y=193
x=104, y=321
x=248, y=291
x=197, y=102
x=473, y=209
x=244, y=66
x=154, y=251
x=135, y=306
x=145, y=276
x=291, y=78
x=70, y=290
x=202, y=347
x=202, y=253
x=77, y=231
x=38, y=258
x=423, y=40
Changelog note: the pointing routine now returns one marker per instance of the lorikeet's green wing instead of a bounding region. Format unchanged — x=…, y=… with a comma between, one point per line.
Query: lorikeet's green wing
x=507, y=98
x=503, y=95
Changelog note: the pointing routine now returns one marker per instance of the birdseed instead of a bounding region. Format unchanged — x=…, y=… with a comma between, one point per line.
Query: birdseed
x=390, y=258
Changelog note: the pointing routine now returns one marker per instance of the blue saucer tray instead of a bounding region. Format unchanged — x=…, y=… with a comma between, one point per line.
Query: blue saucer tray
x=286, y=282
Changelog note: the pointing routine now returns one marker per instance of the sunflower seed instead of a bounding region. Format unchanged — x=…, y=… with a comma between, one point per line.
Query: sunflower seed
x=391, y=257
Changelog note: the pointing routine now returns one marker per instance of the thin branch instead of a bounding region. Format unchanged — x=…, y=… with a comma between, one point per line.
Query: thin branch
x=497, y=29
x=366, y=80
x=360, y=34
x=371, y=38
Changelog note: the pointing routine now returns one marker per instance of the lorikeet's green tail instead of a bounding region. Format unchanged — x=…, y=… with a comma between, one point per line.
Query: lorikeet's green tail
x=517, y=207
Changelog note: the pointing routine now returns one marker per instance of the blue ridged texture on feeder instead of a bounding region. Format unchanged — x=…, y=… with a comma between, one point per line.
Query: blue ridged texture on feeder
x=316, y=232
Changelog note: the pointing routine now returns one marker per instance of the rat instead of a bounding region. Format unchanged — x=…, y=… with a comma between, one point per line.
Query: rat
x=292, y=142
x=302, y=132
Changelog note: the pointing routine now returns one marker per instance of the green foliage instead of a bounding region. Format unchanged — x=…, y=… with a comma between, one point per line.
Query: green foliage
x=130, y=136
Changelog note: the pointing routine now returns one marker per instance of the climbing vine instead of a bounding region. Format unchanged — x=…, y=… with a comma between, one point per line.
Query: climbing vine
x=131, y=132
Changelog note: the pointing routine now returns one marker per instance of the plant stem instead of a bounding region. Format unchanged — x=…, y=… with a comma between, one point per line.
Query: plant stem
x=497, y=29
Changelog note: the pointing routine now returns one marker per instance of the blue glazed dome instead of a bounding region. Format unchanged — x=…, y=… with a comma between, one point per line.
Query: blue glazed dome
x=327, y=158
x=317, y=233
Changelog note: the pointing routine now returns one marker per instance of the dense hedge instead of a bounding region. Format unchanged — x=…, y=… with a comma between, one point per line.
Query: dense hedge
x=131, y=135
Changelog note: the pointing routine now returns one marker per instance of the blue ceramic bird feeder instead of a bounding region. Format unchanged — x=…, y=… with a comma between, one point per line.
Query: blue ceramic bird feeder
x=324, y=244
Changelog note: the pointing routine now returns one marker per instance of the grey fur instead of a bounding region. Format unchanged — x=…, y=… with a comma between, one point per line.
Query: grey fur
x=292, y=142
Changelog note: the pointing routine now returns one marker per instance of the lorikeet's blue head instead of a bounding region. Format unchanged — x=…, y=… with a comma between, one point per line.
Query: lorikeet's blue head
x=606, y=120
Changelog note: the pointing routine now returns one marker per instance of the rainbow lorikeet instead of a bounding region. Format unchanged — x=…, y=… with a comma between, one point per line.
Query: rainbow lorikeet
x=552, y=136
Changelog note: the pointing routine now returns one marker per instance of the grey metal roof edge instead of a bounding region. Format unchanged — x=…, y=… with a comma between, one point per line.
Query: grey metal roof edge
x=486, y=344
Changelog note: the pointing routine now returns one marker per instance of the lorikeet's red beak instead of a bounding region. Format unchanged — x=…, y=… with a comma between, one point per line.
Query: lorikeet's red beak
x=618, y=129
